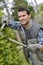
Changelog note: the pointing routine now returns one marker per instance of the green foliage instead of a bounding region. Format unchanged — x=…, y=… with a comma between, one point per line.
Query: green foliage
x=9, y=54
x=41, y=9
x=38, y=18
x=31, y=11
x=0, y=14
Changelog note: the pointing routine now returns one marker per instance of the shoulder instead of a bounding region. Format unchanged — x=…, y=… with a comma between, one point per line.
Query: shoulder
x=41, y=28
x=40, y=31
x=40, y=35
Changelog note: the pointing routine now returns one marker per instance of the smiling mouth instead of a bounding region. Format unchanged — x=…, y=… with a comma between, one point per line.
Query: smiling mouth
x=23, y=22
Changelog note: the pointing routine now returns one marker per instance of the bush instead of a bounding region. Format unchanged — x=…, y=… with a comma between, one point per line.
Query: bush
x=9, y=54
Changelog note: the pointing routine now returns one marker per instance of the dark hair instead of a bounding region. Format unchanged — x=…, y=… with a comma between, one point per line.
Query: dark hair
x=24, y=9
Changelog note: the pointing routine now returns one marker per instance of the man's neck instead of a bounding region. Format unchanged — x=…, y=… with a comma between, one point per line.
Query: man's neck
x=27, y=25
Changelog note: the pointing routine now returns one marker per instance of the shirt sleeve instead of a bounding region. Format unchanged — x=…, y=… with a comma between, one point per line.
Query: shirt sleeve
x=40, y=36
x=14, y=25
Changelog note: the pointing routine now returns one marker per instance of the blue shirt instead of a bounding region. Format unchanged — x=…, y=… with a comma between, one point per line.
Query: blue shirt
x=40, y=36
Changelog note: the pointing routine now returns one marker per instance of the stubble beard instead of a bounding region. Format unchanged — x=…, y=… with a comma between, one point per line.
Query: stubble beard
x=26, y=24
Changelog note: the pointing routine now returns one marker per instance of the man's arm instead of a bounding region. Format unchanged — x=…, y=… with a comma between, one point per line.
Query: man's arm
x=12, y=24
x=33, y=45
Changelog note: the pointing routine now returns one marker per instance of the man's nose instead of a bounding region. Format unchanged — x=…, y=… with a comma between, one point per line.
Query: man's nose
x=21, y=18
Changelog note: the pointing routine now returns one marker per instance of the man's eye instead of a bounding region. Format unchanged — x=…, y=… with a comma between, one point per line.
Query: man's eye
x=23, y=15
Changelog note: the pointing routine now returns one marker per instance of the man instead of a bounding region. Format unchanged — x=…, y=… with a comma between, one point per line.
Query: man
x=29, y=29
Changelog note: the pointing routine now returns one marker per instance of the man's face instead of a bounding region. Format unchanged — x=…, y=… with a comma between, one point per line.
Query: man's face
x=24, y=18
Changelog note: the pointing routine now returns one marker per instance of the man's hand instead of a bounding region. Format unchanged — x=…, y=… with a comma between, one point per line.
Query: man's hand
x=6, y=22
x=41, y=48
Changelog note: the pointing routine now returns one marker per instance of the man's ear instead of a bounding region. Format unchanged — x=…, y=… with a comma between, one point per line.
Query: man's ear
x=29, y=15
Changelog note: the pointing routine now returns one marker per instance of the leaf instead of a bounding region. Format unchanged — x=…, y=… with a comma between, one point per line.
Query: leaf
x=1, y=59
x=2, y=63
